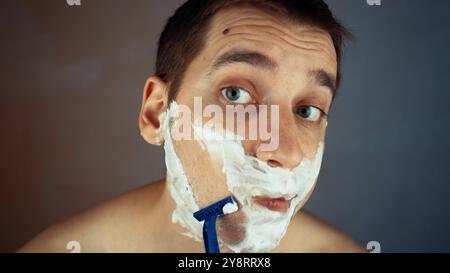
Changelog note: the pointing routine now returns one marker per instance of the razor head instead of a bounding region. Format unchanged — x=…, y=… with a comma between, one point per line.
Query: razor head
x=209, y=216
x=215, y=209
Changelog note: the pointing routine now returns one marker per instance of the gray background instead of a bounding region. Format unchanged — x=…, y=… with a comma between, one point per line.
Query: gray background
x=71, y=84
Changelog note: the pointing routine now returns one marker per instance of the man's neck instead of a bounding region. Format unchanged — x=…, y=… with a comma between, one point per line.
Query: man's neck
x=171, y=235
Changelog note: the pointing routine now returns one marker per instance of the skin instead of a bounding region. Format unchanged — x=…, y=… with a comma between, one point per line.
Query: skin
x=140, y=221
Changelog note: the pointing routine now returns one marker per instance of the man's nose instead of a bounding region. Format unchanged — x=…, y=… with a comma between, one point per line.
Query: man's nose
x=288, y=154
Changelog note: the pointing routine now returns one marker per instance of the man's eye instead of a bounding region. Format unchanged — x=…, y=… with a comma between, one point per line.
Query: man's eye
x=309, y=112
x=236, y=95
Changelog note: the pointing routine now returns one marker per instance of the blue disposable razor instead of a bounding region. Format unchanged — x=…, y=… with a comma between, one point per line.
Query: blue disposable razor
x=209, y=216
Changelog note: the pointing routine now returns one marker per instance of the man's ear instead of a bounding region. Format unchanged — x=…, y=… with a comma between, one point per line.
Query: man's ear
x=154, y=103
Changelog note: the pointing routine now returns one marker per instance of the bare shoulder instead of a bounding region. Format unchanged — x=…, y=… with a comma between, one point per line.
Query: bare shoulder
x=103, y=228
x=308, y=233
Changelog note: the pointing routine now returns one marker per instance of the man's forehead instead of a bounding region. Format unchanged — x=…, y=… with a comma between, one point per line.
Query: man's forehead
x=232, y=26
x=225, y=20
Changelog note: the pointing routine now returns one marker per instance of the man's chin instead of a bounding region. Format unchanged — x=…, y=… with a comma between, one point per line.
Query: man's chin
x=230, y=228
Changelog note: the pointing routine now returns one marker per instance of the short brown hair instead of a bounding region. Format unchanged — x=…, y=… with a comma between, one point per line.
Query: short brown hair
x=184, y=35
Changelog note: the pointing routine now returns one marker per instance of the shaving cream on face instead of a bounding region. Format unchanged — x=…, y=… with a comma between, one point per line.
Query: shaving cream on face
x=178, y=184
x=246, y=178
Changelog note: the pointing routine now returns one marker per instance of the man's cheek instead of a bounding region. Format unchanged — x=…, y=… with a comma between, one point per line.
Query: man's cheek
x=204, y=173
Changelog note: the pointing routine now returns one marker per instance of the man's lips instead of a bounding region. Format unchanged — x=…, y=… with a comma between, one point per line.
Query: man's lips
x=275, y=204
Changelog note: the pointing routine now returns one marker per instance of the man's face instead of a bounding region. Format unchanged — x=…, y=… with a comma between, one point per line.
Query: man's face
x=251, y=57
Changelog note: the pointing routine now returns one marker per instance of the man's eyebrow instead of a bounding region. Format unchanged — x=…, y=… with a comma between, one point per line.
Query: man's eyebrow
x=324, y=78
x=243, y=56
x=255, y=58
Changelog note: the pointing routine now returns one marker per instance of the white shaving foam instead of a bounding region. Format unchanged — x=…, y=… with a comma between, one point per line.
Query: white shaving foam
x=247, y=177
